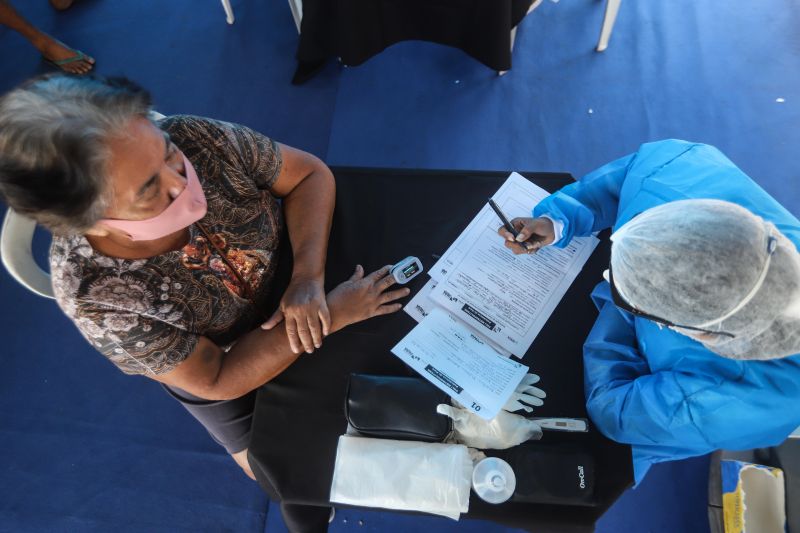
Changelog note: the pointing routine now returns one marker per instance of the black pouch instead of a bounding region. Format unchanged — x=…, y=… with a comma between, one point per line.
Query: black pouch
x=560, y=474
x=392, y=407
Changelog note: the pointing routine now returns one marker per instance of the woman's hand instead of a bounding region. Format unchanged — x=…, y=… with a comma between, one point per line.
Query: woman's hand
x=305, y=310
x=362, y=297
x=533, y=234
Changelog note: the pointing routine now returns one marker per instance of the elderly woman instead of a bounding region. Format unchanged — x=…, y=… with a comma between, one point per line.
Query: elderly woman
x=696, y=345
x=167, y=237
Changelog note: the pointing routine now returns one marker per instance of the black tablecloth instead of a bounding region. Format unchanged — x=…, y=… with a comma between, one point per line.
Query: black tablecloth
x=355, y=30
x=382, y=216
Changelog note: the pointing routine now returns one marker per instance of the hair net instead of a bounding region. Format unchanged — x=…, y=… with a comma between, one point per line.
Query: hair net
x=706, y=263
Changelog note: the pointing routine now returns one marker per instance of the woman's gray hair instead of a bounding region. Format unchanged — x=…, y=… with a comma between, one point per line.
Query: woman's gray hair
x=54, y=133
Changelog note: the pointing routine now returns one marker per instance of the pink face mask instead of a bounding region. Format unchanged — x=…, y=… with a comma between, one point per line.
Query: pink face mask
x=186, y=209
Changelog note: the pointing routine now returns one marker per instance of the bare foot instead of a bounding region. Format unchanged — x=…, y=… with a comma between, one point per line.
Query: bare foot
x=57, y=51
x=61, y=5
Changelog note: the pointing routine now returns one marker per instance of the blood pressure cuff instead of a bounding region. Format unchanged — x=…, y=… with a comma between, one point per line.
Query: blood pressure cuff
x=401, y=408
x=560, y=474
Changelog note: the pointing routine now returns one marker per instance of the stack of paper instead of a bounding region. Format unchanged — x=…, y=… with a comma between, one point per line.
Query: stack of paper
x=483, y=301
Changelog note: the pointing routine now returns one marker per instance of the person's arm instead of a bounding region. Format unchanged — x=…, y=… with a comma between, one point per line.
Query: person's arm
x=577, y=210
x=309, y=193
x=588, y=205
x=261, y=355
x=626, y=400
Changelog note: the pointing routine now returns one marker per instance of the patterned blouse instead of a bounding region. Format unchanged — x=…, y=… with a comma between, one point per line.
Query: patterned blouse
x=147, y=315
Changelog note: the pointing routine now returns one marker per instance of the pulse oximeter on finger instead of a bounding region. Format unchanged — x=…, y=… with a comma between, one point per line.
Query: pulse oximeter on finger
x=406, y=270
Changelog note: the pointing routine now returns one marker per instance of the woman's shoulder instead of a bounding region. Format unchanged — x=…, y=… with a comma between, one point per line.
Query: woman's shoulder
x=81, y=276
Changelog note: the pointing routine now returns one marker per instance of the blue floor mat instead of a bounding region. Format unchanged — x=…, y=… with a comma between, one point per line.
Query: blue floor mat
x=700, y=71
x=87, y=449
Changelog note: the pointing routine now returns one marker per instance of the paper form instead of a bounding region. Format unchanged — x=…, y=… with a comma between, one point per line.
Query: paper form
x=451, y=356
x=421, y=305
x=516, y=190
x=507, y=298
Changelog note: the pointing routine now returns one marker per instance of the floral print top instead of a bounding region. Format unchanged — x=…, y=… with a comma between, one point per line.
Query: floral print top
x=147, y=315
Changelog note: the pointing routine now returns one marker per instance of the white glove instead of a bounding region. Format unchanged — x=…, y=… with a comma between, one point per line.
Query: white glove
x=525, y=395
x=503, y=431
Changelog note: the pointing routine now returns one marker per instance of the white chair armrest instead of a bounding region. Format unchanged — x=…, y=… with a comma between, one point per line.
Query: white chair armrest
x=16, y=254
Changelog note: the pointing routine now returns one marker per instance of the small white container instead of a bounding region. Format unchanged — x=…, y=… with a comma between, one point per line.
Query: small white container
x=493, y=480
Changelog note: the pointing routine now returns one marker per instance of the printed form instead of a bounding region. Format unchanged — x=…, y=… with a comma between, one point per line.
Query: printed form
x=451, y=356
x=507, y=298
x=421, y=305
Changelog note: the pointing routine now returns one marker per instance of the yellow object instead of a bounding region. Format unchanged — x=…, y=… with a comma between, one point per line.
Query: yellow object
x=753, y=498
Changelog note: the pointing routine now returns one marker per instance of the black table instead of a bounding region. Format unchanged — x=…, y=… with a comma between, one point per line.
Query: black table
x=382, y=216
x=355, y=30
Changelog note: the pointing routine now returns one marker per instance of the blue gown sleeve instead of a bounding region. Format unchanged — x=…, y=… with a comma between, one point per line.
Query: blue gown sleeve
x=588, y=205
x=625, y=400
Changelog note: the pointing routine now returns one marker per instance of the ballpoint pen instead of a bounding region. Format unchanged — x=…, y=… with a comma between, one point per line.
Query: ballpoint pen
x=507, y=224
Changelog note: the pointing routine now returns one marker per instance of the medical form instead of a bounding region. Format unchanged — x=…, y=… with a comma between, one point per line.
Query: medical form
x=451, y=356
x=506, y=297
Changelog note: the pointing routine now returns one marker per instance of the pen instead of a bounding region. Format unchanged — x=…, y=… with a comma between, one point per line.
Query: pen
x=506, y=223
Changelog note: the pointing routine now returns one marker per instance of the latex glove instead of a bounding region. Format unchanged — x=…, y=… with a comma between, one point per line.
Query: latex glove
x=503, y=431
x=526, y=395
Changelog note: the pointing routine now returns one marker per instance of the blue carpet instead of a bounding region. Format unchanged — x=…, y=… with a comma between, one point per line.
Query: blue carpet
x=85, y=448
x=700, y=71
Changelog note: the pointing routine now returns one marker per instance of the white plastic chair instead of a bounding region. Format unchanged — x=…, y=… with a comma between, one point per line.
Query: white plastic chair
x=297, y=12
x=295, y=5
x=610, y=17
x=17, y=256
x=226, y=5
x=612, y=8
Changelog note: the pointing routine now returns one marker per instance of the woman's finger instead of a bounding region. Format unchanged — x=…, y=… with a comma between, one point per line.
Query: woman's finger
x=315, y=327
x=304, y=334
x=291, y=333
x=391, y=296
x=386, y=282
x=379, y=274
x=358, y=274
x=387, y=309
x=325, y=318
x=274, y=320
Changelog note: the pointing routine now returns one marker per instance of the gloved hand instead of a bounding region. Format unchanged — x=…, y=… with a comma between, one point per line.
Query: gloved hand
x=503, y=431
x=525, y=395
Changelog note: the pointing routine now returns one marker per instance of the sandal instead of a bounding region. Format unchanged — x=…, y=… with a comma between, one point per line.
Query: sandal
x=79, y=56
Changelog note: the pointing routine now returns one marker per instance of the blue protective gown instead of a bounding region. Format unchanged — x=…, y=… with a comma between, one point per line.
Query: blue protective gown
x=660, y=391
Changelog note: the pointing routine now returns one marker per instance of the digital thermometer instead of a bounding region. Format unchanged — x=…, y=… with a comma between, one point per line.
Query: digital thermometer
x=563, y=424
x=406, y=270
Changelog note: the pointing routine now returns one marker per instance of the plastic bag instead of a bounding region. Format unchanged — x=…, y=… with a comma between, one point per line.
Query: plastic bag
x=405, y=475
